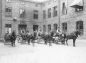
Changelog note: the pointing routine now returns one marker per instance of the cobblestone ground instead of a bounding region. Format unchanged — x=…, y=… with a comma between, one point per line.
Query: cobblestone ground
x=40, y=53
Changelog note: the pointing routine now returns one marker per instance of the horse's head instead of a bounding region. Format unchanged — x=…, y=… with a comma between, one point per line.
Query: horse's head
x=77, y=33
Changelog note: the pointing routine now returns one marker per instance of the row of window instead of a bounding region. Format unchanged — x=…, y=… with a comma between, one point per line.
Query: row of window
x=49, y=12
x=55, y=12
x=79, y=26
x=8, y=13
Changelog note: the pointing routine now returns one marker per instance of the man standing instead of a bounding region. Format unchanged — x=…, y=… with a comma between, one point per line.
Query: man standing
x=28, y=37
x=13, y=38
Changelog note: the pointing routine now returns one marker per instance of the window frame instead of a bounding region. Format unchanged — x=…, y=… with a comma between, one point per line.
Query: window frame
x=35, y=15
x=64, y=9
x=55, y=11
x=8, y=11
x=49, y=27
x=49, y=12
x=44, y=14
x=64, y=26
x=80, y=26
x=55, y=27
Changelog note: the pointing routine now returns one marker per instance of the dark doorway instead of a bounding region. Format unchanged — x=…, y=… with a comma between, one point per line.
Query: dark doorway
x=8, y=28
x=22, y=28
x=55, y=27
x=35, y=27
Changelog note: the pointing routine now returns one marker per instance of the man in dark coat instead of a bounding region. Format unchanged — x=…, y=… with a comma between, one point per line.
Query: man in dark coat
x=13, y=38
x=28, y=37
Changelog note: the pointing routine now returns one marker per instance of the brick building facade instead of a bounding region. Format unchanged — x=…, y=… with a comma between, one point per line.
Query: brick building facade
x=20, y=16
x=70, y=16
x=67, y=15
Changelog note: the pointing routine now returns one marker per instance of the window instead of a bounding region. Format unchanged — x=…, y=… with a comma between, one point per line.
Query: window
x=35, y=27
x=55, y=27
x=64, y=9
x=44, y=14
x=35, y=14
x=44, y=28
x=49, y=28
x=79, y=9
x=49, y=13
x=64, y=27
x=54, y=11
x=22, y=13
x=8, y=28
x=8, y=12
x=8, y=9
x=79, y=26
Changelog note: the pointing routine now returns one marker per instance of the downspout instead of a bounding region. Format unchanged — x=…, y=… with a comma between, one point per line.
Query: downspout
x=59, y=26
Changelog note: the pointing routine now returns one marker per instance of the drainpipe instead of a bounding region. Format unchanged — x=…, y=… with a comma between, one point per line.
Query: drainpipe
x=59, y=16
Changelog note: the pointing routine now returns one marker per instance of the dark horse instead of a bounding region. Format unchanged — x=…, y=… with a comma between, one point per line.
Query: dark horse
x=48, y=38
x=73, y=36
x=10, y=38
x=7, y=37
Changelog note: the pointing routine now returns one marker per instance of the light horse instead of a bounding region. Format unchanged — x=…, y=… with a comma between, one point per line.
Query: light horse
x=73, y=36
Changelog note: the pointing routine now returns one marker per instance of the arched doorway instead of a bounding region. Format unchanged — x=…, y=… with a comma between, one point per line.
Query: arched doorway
x=35, y=27
x=22, y=28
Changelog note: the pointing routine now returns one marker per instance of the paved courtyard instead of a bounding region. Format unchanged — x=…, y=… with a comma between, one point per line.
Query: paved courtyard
x=40, y=53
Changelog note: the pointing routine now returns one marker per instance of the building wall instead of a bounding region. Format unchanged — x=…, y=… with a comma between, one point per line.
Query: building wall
x=0, y=17
x=71, y=17
x=29, y=7
x=52, y=20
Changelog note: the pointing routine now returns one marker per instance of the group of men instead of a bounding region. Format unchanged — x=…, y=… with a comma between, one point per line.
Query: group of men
x=36, y=34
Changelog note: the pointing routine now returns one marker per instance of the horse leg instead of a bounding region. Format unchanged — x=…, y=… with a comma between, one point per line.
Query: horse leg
x=63, y=41
x=28, y=41
x=12, y=43
x=45, y=42
x=33, y=42
x=74, y=42
x=50, y=43
x=67, y=42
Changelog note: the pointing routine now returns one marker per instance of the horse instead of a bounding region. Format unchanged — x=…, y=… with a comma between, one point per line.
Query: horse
x=48, y=38
x=10, y=38
x=7, y=37
x=74, y=35
x=58, y=37
x=24, y=37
